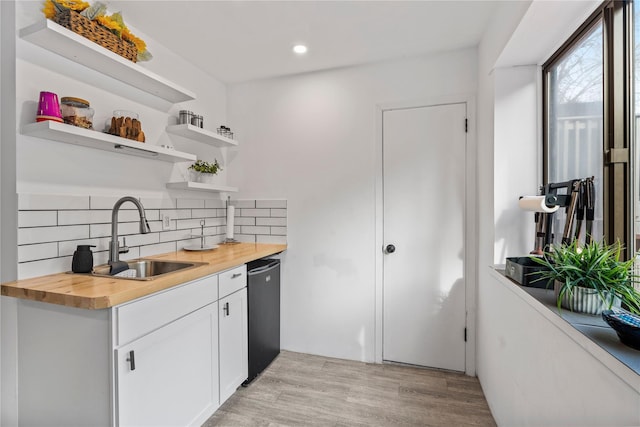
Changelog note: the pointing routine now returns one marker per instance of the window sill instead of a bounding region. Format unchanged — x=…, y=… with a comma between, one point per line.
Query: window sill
x=589, y=332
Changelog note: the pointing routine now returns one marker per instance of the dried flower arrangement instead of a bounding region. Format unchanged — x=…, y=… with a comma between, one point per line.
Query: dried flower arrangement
x=98, y=13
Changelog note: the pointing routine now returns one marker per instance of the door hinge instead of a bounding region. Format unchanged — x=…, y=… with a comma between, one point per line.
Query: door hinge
x=466, y=125
x=465, y=334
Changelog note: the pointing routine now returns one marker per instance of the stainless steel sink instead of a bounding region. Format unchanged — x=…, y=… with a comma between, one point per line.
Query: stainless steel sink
x=148, y=269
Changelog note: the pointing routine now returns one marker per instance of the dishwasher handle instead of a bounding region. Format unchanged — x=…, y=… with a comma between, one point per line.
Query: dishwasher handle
x=268, y=267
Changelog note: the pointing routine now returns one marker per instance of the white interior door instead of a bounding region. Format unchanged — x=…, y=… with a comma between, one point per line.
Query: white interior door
x=424, y=212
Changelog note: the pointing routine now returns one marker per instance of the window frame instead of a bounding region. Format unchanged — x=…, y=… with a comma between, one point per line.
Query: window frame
x=617, y=33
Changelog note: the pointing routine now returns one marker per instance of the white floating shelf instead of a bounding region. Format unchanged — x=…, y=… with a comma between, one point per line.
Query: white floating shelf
x=64, y=42
x=62, y=132
x=198, y=186
x=201, y=135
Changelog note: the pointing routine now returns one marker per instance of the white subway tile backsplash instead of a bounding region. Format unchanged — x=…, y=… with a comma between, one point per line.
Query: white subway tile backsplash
x=160, y=248
x=69, y=247
x=31, y=269
x=279, y=240
x=131, y=216
x=143, y=239
x=245, y=238
x=100, y=258
x=37, y=251
x=156, y=226
x=279, y=231
x=132, y=254
x=27, y=270
x=52, y=226
x=108, y=202
x=245, y=220
x=182, y=224
x=247, y=229
x=216, y=222
x=278, y=213
x=176, y=213
x=255, y=212
x=85, y=217
x=271, y=204
x=181, y=244
x=208, y=231
x=124, y=228
x=169, y=236
x=241, y=204
x=214, y=203
x=190, y=203
x=28, y=202
x=157, y=203
x=203, y=213
x=152, y=214
x=52, y=234
x=278, y=222
x=37, y=218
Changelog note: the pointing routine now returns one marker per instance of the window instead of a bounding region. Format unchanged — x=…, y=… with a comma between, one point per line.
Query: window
x=587, y=118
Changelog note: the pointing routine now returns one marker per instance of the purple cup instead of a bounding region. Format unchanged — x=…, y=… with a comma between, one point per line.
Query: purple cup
x=48, y=107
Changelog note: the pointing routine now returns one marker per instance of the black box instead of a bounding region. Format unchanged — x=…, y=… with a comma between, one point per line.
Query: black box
x=526, y=272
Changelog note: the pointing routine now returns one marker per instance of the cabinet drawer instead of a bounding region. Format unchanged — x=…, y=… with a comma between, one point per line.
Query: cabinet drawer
x=232, y=280
x=140, y=317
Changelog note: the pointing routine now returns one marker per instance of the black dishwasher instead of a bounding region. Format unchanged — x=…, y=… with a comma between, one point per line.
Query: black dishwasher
x=263, y=306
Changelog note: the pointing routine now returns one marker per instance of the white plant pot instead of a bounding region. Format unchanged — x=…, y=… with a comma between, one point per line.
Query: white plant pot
x=583, y=300
x=204, y=178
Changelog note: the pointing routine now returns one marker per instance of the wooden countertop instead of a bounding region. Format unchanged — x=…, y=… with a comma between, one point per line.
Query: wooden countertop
x=84, y=291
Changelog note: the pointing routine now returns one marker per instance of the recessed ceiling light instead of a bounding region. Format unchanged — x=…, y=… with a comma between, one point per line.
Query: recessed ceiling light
x=300, y=49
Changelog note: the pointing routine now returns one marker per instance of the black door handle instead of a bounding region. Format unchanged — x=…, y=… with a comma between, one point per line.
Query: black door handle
x=132, y=360
x=390, y=249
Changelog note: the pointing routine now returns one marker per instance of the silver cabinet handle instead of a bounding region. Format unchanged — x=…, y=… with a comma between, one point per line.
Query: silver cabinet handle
x=236, y=275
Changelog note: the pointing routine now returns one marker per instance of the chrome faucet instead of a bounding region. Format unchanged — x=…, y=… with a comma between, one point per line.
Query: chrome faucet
x=114, y=245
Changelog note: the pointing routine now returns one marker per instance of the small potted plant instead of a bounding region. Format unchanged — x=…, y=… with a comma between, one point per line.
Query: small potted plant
x=591, y=278
x=205, y=172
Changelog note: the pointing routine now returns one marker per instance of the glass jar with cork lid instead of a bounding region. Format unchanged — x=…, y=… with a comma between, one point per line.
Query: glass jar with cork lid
x=76, y=112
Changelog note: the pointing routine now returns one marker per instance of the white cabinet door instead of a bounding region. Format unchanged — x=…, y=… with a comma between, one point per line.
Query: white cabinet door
x=234, y=361
x=170, y=376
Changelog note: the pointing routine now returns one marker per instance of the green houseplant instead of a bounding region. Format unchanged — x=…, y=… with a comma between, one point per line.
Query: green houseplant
x=202, y=171
x=594, y=271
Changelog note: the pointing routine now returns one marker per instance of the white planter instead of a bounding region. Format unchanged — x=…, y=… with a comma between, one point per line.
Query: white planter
x=583, y=300
x=204, y=178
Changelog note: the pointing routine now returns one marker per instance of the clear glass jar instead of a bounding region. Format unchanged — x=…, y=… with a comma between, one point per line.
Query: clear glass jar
x=108, y=128
x=77, y=112
x=125, y=113
x=125, y=124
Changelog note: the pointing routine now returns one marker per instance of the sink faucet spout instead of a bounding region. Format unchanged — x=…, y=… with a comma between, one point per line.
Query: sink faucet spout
x=114, y=245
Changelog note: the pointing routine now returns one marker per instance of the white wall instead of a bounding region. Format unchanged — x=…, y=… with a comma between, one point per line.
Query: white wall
x=494, y=40
x=312, y=139
x=8, y=212
x=523, y=363
x=517, y=170
x=548, y=375
x=48, y=167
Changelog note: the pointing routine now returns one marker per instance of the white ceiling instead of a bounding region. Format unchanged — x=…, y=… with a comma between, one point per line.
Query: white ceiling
x=237, y=41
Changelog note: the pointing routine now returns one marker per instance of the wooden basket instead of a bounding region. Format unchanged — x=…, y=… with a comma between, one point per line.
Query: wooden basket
x=96, y=33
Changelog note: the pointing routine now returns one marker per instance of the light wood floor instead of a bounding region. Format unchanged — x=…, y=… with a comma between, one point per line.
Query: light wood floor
x=301, y=389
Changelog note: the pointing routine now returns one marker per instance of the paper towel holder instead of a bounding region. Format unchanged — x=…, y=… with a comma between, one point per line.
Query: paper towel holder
x=229, y=240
